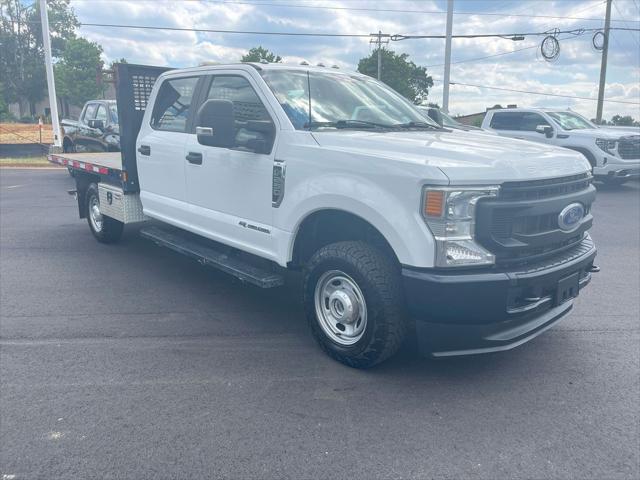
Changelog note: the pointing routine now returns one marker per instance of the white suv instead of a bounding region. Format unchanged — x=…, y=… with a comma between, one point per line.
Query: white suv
x=613, y=153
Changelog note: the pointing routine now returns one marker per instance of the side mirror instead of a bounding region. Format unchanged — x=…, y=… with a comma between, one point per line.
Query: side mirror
x=547, y=130
x=216, y=124
x=435, y=116
x=262, y=134
x=99, y=124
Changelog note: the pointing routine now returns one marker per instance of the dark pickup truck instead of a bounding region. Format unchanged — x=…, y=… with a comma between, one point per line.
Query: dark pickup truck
x=96, y=130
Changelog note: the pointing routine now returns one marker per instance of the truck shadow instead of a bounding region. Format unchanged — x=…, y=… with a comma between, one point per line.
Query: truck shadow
x=245, y=310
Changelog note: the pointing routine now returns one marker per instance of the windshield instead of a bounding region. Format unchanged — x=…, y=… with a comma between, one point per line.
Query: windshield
x=570, y=120
x=325, y=100
x=447, y=121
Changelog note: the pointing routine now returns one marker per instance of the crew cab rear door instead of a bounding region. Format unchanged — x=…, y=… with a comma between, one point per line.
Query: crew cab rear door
x=83, y=138
x=521, y=125
x=160, y=149
x=230, y=189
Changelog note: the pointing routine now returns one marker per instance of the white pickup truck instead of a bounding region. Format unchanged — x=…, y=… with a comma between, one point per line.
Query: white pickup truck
x=471, y=243
x=614, y=153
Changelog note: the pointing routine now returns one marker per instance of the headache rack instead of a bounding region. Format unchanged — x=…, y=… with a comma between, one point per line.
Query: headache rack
x=134, y=84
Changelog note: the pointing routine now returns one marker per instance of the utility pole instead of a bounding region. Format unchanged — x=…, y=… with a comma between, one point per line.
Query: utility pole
x=378, y=42
x=447, y=57
x=51, y=84
x=603, y=64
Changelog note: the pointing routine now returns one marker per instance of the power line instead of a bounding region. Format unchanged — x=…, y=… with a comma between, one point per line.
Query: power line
x=396, y=37
x=620, y=13
x=510, y=36
x=476, y=59
x=368, y=9
x=542, y=93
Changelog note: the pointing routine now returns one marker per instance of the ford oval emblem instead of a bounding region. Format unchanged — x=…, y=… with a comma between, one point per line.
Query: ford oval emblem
x=570, y=216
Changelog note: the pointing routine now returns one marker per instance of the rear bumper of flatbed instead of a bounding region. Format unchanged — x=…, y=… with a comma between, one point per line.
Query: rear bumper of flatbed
x=100, y=163
x=105, y=165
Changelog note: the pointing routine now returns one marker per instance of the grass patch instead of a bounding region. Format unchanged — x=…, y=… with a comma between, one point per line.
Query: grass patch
x=39, y=161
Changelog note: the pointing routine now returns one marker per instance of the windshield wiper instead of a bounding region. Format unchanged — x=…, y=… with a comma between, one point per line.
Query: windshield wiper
x=347, y=124
x=416, y=125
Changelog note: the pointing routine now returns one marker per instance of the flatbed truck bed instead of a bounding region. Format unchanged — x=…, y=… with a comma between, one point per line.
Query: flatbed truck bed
x=89, y=161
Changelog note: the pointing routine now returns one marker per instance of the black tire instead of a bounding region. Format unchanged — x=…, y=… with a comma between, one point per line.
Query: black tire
x=378, y=278
x=69, y=147
x=108, y=230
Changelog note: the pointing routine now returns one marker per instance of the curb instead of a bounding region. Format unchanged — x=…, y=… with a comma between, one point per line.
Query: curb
x=18, y=167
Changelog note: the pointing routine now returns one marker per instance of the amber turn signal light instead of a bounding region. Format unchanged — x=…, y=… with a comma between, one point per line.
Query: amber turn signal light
x=433, y=203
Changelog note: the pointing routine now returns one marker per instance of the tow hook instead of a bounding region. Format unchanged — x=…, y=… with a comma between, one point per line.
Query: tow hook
x=594, y=269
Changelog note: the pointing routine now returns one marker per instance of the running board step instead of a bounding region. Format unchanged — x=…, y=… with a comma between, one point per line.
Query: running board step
x=183, y=242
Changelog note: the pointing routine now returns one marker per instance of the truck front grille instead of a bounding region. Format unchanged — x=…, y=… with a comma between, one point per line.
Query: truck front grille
x=629, y=147
x=521, y=224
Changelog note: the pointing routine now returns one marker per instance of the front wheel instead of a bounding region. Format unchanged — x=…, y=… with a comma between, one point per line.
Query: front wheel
x=353, y=303
x=105, y=229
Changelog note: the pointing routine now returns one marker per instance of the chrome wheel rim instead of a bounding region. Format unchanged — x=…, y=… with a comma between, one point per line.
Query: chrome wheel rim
x=340, y=307
x=94, y=213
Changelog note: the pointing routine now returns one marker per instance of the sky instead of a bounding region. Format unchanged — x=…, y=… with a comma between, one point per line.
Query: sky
x=574, y=73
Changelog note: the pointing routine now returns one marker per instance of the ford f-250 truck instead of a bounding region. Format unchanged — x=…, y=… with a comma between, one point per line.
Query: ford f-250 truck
x=473, y=243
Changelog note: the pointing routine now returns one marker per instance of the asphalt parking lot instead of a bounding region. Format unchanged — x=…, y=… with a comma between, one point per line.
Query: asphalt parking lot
x=132, y=362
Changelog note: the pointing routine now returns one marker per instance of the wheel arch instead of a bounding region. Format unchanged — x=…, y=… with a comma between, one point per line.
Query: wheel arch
x=328, y=225
x=66, y=143
x=588, y=155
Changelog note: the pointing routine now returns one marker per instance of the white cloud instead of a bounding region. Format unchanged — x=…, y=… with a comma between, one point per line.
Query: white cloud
x=574, y=74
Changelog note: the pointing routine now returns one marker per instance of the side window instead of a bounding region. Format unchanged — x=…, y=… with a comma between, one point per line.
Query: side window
x=172, y=104
x=531, y=120
x=506, y=121
x=246, y=104
x=253, y=125
x=101, y=114
x=89, y=112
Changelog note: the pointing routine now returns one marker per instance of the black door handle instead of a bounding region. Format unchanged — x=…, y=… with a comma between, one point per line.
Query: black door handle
x=195, y=158
x=144, y=150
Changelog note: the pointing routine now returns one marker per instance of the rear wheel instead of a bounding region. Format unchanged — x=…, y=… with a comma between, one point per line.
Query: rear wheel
x=353, y=303
x=69, y=147
x=105, y=229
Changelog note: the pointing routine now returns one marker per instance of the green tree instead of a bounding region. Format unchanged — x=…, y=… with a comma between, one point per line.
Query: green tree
x=22, y=51
x=626, y=121
x=400, y=73
x=259, y=53
x=4, y=109
x=79, y=72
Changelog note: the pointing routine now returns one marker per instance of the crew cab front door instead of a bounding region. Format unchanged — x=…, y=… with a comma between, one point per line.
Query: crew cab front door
x=230, y=189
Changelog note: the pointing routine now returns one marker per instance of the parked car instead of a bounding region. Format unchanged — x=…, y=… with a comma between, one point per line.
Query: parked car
x=479, y=242
x=614, y=154
x=445, y=120
x=97, y=129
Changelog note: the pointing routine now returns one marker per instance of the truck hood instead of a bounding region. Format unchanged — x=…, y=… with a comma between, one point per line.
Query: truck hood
x=621, y=131
x=609, y=133
x=464, y=157
x=593, y=133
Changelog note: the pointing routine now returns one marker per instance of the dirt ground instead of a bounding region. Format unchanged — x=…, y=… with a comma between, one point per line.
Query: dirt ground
x=25, y=133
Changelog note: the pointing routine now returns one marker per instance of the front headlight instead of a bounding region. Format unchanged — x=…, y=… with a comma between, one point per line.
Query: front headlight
x=606, y=145
x=450, y=214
